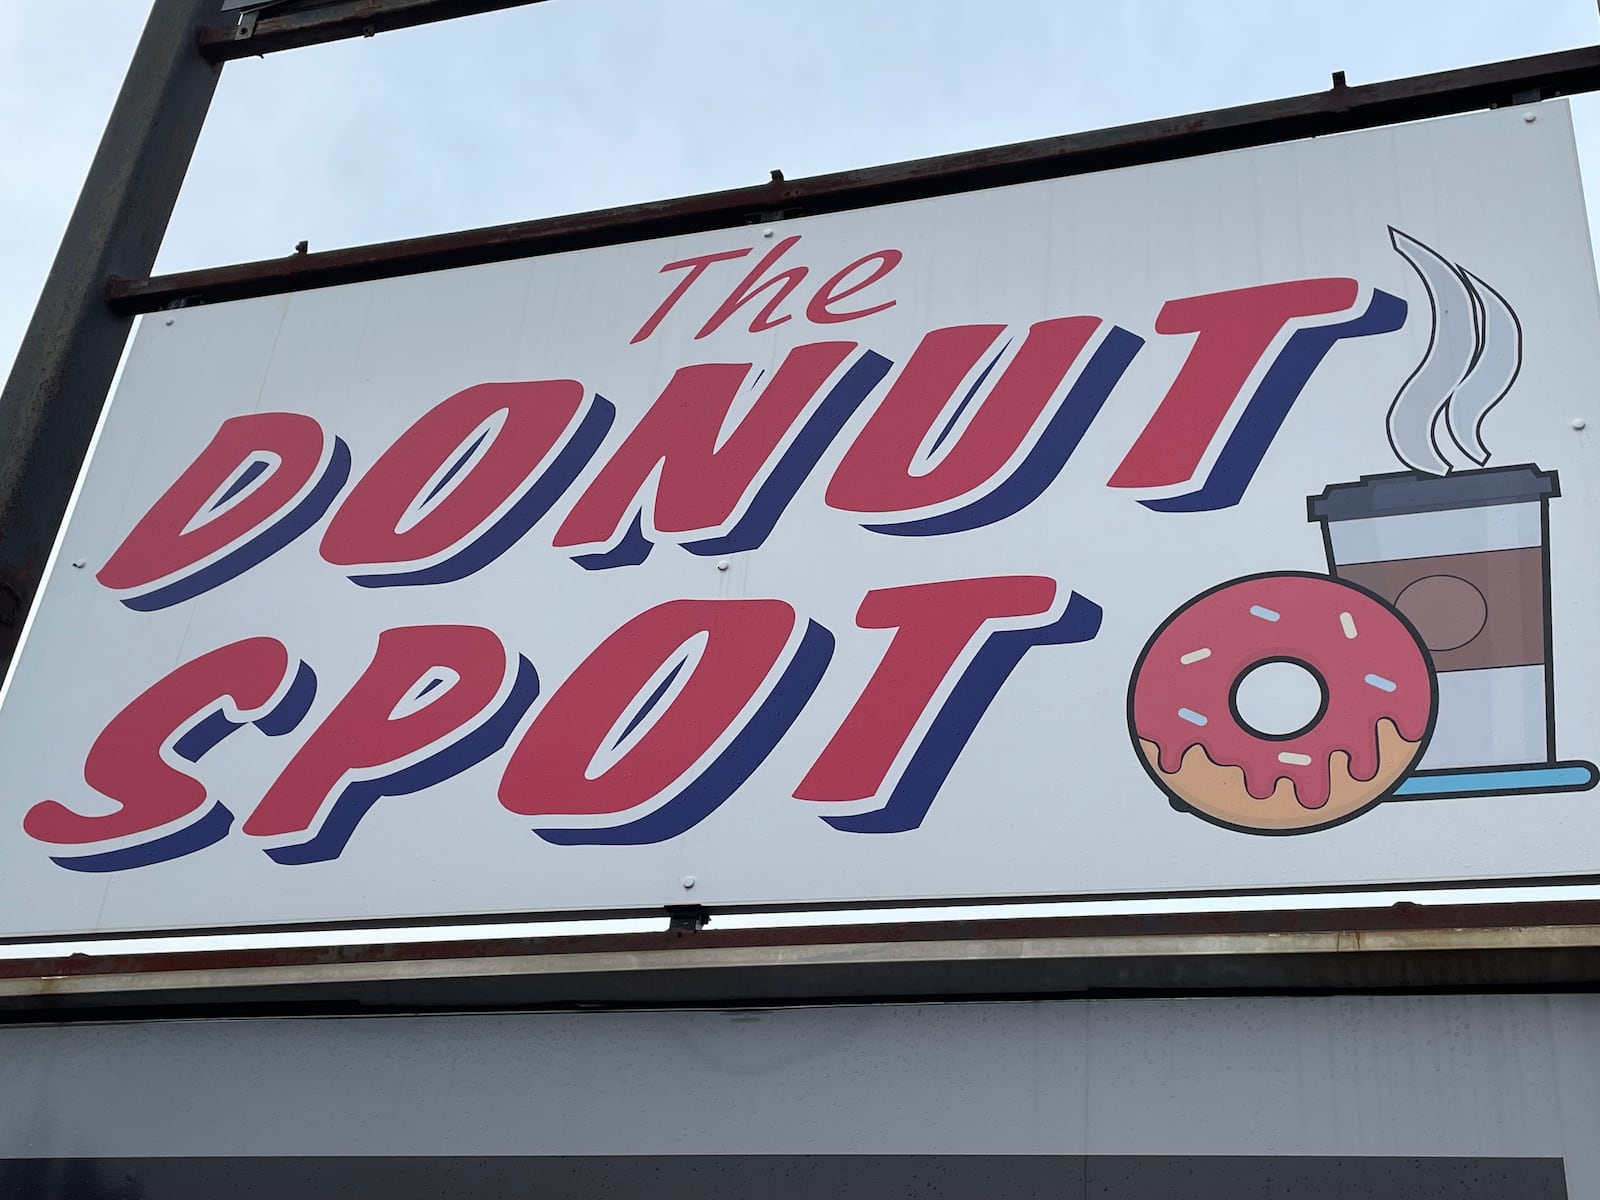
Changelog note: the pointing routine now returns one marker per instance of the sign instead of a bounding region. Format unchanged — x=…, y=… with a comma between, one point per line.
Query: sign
x=1069, y=538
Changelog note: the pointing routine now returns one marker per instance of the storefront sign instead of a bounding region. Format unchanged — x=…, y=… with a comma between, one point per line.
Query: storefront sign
x=1058, y=539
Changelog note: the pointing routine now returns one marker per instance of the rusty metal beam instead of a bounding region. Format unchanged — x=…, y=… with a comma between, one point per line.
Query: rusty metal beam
x=64, y=367
x=1406, y=948
x=1340, y=109
x=332, y=22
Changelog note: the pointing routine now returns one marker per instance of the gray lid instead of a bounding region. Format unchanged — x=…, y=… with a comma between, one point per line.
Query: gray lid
x=1414, y=492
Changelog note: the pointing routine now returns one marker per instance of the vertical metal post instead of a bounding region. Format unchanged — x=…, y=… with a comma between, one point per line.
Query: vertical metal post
x=62, y=374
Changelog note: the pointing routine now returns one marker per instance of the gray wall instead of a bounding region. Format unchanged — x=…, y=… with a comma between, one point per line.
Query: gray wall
x=1473, y=1077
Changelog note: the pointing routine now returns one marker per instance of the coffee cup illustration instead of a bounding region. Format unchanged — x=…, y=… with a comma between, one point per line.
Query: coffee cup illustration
x=1429, y=641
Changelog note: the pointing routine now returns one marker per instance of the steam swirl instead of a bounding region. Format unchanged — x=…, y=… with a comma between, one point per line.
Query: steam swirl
x=1473, y=357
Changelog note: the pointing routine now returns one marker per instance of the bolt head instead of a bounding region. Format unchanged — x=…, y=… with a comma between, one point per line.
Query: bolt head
x=1529, y=118
x=723, y=565
x=688, y=882
x=768, y=232
x=1578, y=422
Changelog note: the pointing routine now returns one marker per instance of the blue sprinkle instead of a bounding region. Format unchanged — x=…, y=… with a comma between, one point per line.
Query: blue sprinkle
x=1189, y=715
x=1378, y=681
x=1266, y=614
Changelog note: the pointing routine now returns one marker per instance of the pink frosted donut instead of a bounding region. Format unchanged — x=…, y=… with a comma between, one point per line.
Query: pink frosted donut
x=1378, y=702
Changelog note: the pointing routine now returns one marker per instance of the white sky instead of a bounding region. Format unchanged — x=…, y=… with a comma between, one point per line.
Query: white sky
x=578, y=104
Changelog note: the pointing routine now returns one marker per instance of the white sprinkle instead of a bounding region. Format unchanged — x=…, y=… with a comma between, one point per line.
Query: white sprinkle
x=1266, y=614
x=1348, y=623
x=1378, y=681
x=1294, y=760
x=1195, y=656
x=1189, y=715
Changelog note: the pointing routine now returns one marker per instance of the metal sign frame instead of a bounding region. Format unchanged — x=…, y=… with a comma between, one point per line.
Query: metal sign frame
x=1404, y=949
x=62, y=374
x=101, y=279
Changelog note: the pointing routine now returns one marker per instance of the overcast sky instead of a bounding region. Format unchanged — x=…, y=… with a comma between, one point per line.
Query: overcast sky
x=577, y=104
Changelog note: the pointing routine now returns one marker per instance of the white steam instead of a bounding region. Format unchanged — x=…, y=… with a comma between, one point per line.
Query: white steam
x=1473, y=356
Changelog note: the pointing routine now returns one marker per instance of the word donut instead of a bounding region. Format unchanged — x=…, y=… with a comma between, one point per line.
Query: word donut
x=1377, y=711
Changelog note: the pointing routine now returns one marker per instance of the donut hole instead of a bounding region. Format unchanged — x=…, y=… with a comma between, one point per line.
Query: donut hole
x=1278, y=698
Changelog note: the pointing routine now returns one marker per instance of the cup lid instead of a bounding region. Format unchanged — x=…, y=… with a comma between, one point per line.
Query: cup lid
x=1403, y=492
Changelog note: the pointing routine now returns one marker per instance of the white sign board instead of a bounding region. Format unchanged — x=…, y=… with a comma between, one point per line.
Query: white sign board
x=1216, y=524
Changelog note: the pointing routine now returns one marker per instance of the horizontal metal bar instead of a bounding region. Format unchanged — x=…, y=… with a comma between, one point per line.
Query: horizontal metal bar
x=1337, y=110
x=693, y=959
x=335, y=22
x=1405, y=948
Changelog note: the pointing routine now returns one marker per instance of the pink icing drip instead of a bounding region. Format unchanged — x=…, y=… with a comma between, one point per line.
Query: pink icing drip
x=1309, y=628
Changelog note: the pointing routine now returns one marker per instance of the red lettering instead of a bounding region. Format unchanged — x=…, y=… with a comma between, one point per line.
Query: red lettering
x=749, y=288
x=934, y=623
x=549, y=772
x=476, y=450
x=701, y=481
x=1235, y=330
x=126, y=763
x=254, y=468
x=393, y=712
x=881, y=473
x=696, y=267
x=819, y=309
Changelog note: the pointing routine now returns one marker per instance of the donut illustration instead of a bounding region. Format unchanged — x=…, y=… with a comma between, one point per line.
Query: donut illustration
x=1378, y=702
